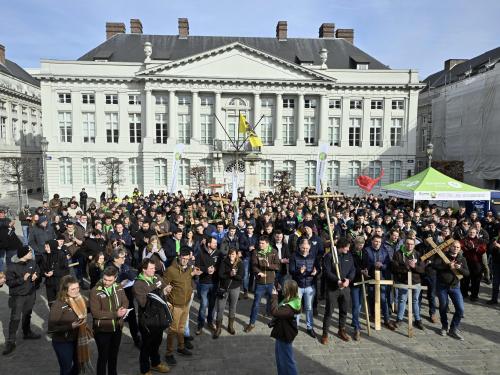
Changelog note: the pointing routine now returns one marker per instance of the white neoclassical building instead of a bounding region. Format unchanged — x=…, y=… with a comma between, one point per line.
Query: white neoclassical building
x=20, y=122
x=135, y=96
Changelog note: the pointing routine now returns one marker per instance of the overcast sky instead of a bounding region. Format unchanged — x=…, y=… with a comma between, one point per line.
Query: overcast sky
x=417, y=34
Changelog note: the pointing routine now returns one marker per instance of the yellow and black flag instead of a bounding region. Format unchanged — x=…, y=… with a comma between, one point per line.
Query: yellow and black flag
x=244, y=127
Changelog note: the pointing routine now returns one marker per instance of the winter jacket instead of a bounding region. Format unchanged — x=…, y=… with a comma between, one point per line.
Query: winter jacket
x=285, y=254
x=204, y=261
x=104, y=306
x=181, y=281
x=372, y=256
x=311, y=262
x=347, y=270
x=246, y=242
x=15, y=277
x=266, y=262
x=54, y=261
x=285, y=325
x=38, y=236
x=400, y=267
x=9, y=239
x=143, y=286
x=228, y=244
x=227, y=281
x=473, y=249
x=445, y=276
x=69, y=240
x=61, y=316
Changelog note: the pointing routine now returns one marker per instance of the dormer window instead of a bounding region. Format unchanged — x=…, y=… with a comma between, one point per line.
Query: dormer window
x=361, y=66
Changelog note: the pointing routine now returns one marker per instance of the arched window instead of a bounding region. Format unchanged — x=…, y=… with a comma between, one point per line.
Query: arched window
x=310, y=176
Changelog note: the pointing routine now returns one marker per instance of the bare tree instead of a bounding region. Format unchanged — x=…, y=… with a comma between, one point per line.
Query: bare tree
x=16, y=171
x=282, y=183
x=111, y=171
x=199, y=174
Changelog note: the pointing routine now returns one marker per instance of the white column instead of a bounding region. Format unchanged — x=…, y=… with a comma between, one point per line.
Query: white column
x=172, y=118
x=300, y=120
x=100, y=120
x=345, y=121
x=366, y=123
x=195, y=118
x=218, y=131
x=323, y=119
x=147, y=116
x=123, y=127
x=278, y=141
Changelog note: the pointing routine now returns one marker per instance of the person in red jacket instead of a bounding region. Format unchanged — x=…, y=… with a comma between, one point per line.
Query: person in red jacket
x=473, y=250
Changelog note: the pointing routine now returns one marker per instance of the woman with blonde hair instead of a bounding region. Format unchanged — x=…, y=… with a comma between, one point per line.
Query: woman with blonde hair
x=284, y=326
x=68, y=327
x=230, y=278
x=154, y=251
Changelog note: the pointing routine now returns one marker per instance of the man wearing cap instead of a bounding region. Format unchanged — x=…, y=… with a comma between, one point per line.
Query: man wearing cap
x=21, y=276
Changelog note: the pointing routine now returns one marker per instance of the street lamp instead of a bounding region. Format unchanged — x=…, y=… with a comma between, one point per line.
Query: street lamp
x=44, y=144
x=429, y=149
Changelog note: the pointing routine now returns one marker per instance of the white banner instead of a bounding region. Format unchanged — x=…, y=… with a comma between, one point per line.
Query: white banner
x=321, y=166
x=179, y=149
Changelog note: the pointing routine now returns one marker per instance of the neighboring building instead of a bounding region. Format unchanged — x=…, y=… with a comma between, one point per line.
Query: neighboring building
x=459, y=113
x=20, y=122
x=135, y=96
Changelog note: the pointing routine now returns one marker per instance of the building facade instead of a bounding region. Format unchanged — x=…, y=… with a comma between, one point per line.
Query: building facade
x=136, y=96
x=20, y=124
x=459, y=113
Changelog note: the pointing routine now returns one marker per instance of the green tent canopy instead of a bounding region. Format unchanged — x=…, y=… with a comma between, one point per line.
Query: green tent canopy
x=432, y=185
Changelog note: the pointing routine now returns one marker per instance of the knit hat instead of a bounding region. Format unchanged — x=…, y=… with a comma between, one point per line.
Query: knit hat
x=22, y=251
x=42, y=219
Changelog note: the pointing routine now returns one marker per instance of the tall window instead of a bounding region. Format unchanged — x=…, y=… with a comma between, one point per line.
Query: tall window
x=88, y=127
x=161, y=128
x=266, y=173
x=396, y=131
x=160, y=172
x=289, y=138
x=374, y=169
x=354, y=171
x=134, y=123
x=184, y=100
x=111, y=99
x=356, y=104
x=334, y=103
x=333, y=173
x=65, y=127
x=3, y=128
x=88, y=98
x=209, y=176
x=65, y=171
x=89, y=171
x=310, y=175
x=310, y=103
x=395, y=171
x=398, y=104
x=266, y=130
x=309, y=130
x=207, y=126
x=183, y=177
x=267, y=102
x=288, y=103
x=15, y=131
x=64, y=97
x=334, y=131
x=376, y=132
x=161, y=99
x=112, y=130
x=355, y=131
x=289, y=166
x=377, y=104
x=184, y=128
x=206, y=101
x=133, y=168
x=134, y=99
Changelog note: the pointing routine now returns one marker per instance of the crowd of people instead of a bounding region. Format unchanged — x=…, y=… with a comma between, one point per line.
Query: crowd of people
x=141, y=260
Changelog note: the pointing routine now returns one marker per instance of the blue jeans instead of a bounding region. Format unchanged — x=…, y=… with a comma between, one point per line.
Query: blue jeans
x=66, y=356
x=403, y=298
x=356, y=301
x=26, y=233
x=285, y=361
x=8, y=254
x=455, y=295
x=496, y=281
x=383, y=301
x=187, y=332
x=246, y=273
x=207, y=298
x=260, y=291
x=308, y=294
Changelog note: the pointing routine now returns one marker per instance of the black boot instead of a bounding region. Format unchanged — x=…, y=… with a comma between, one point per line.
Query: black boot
x=9, y=347
x=218, y=330
x=13, y=326
x=28, y=334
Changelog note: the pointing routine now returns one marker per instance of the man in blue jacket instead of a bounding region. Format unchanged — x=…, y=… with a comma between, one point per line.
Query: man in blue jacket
x=377, y=258
x=304, y=266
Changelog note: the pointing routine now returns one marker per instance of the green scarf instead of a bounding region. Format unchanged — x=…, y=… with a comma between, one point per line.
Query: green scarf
x=177, y=246
x=266, y=251
x=147, y=279
x=405, y=251
x=294, y=303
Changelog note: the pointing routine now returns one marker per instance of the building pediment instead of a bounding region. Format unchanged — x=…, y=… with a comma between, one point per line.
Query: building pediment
x=236, y=61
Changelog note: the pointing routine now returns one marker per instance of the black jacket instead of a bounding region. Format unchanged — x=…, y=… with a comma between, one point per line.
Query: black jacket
x=94, y=246
x=444, y=274
x=15, y=277
x=285, y=253
x=285, y=326
x=203, y=261
x=347, y=270
x=400, y=268
x=227, y=281
x=54, y=261
x=9, y=239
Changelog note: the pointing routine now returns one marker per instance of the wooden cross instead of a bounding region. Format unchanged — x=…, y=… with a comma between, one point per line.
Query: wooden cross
x=363, y=283
x=409, y=286
x=439, y=251
x=222, y=201
x=377, y=282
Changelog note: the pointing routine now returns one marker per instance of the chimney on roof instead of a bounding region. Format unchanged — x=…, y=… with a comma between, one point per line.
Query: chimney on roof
x=183, y=28
x=113, y=28
x=2, y=54
x=281, y=30
x=327, y=30
x=450, y=63
x=135, y=26
x=346, y=34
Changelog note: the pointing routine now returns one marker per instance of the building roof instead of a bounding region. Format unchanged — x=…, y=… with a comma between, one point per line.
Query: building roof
x=465, y=69
x=130, y=48
x=12, y=69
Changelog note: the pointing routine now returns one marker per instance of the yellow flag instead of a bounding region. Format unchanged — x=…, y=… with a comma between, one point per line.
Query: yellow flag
x=243, y=125
x=254, y=139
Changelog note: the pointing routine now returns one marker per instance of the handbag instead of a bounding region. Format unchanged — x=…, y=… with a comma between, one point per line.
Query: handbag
x=222, y=292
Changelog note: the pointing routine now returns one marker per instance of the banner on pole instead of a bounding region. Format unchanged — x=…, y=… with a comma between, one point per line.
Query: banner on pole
x=179, y=149
x=321, y=165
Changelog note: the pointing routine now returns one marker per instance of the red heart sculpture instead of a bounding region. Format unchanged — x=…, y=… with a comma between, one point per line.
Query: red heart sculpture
x=367, y=183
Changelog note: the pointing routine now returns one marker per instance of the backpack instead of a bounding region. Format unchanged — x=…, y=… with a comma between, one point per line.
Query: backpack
x=156, y=314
